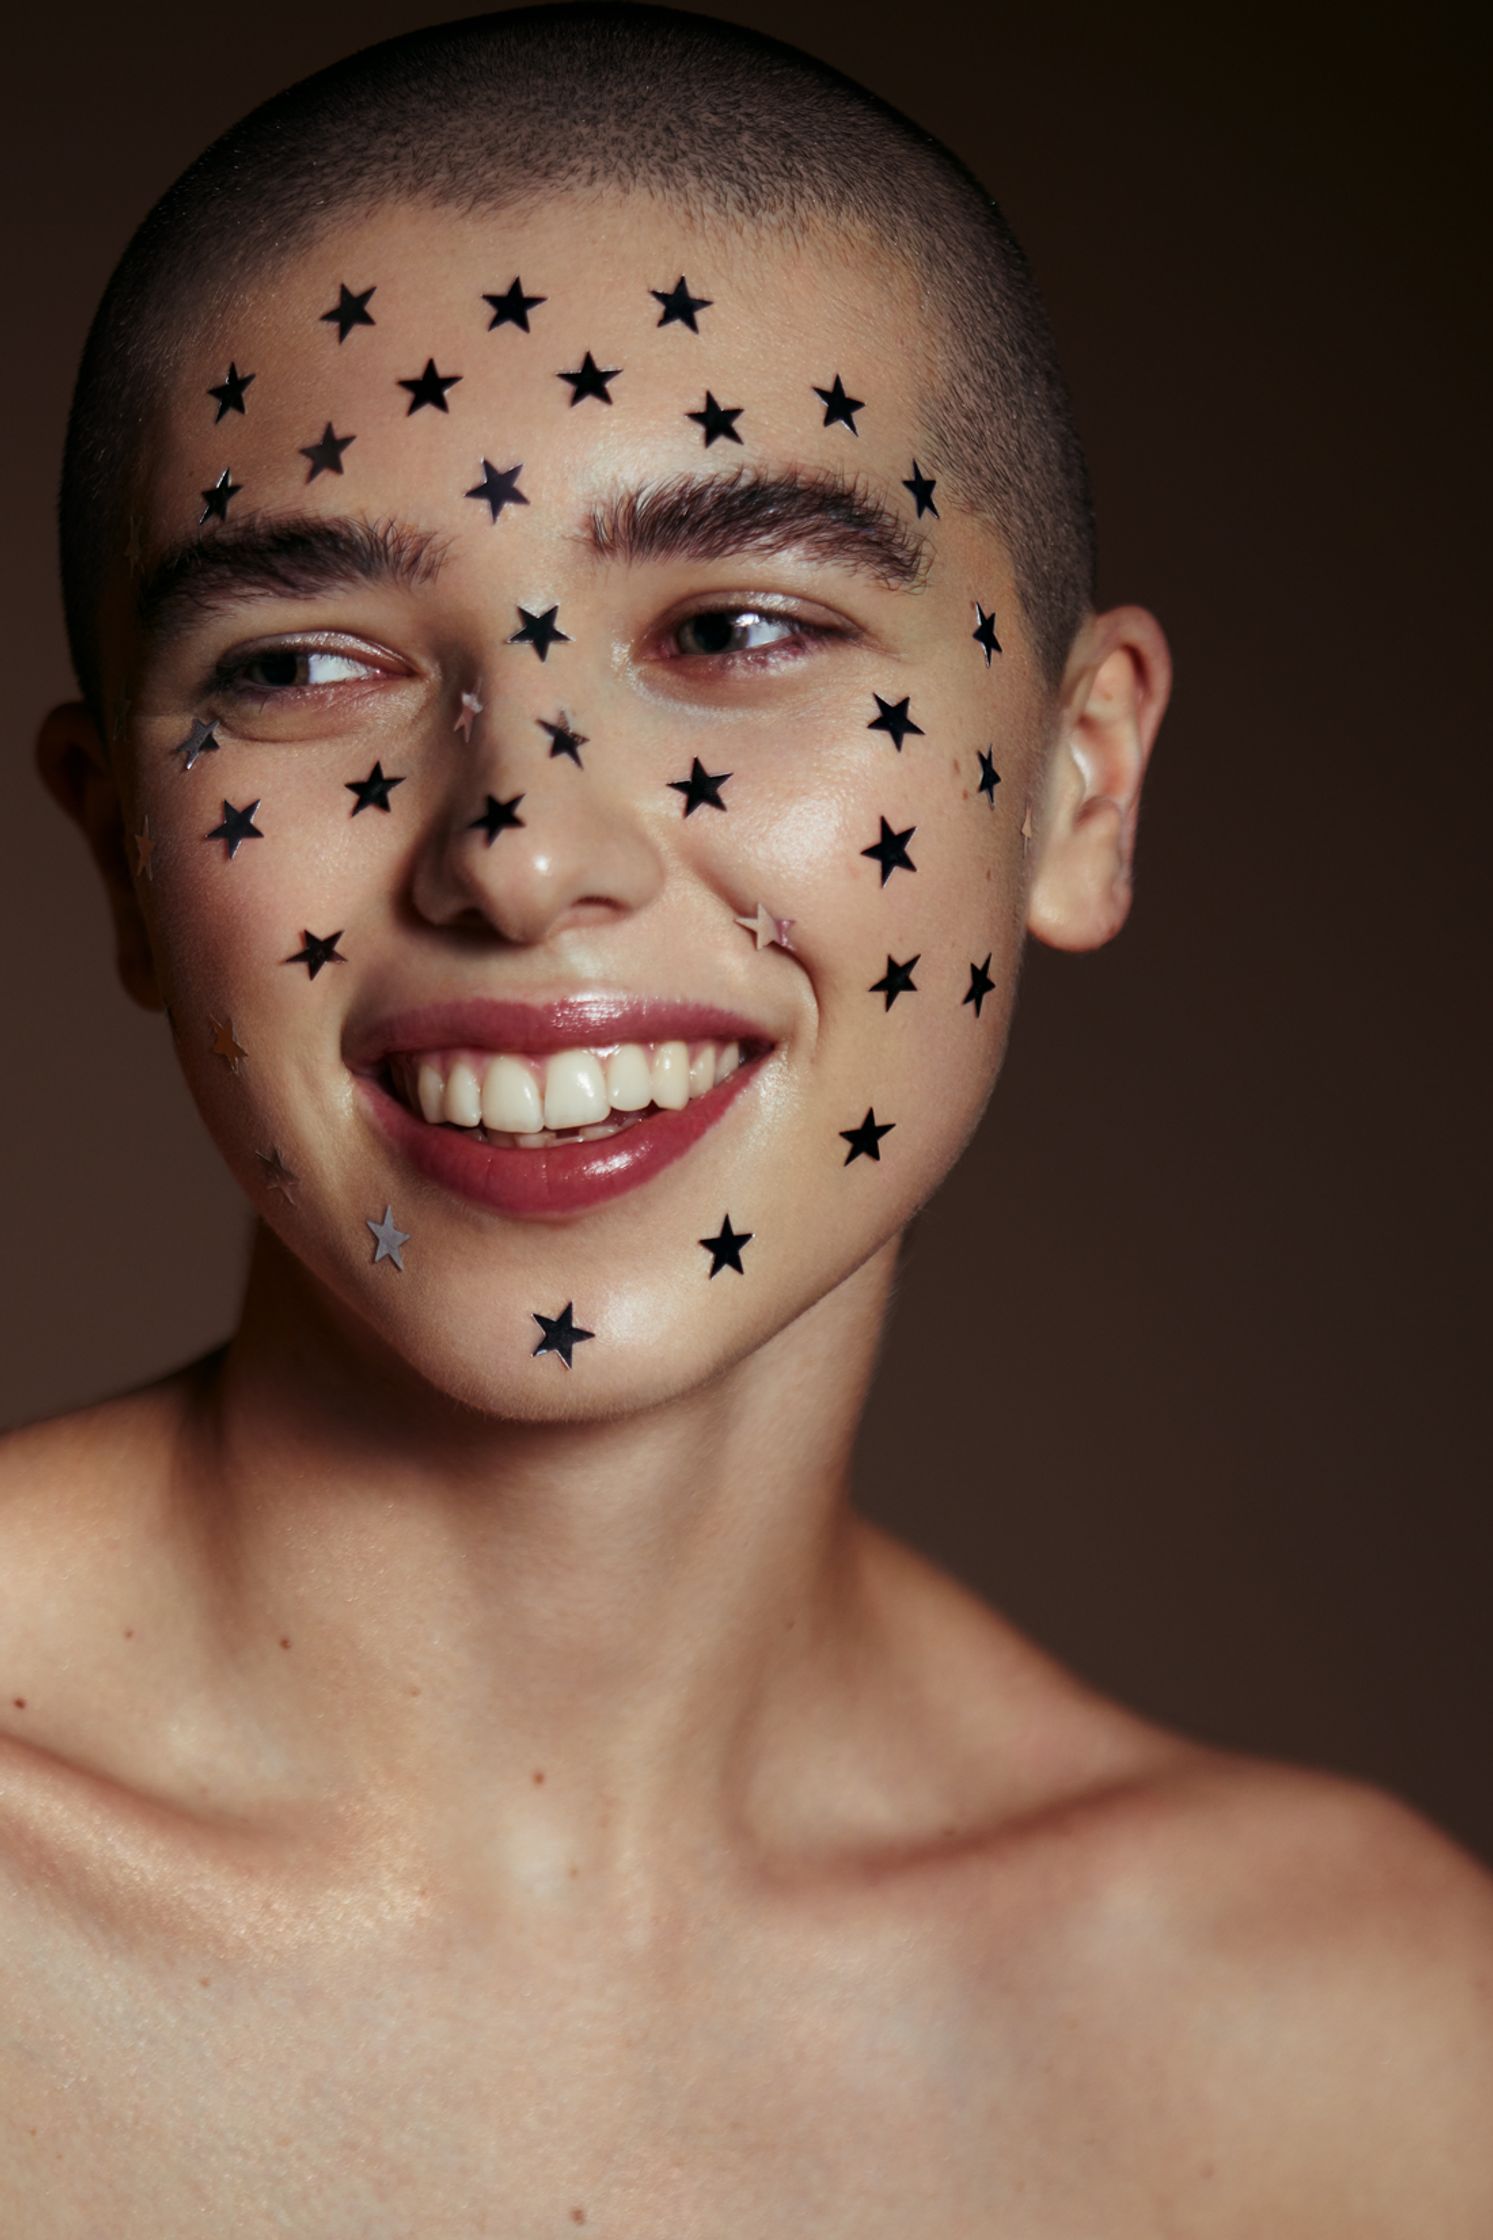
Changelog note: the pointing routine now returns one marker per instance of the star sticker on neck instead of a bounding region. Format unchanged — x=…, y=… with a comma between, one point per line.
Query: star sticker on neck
x=467, y=713
x=277, y=1174
x=499, y=488
x=215, y=502
x=895, y=720
x=350, y=311
x=512, y=307
x=326, y=456
x=563, y=740
x=222, y=1045
x=374, y=790
x=922, y=487
x=320, y=949
x=590, y=380
x=890, y=851
x=838, y=406
x=865, y=1141
x=983, y=632
x=717, y=420
x=700, y=787
x=390, y=1239
x=201, y=739
x=144, y=850
x=498, y=816
x=229, y=393
x=725, y=1249
x=897, y=980
x=539, y=631
x=990, y=777
x=428, y=388
x=238, y=825
x=562, y=1334
x=679, y=304
x=980, y=983
x=769, y=930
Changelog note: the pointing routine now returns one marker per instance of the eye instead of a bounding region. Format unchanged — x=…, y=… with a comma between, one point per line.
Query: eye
x=741, y=629
x=290, y=669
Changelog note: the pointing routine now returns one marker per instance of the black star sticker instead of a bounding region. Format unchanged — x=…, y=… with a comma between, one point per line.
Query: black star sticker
x=326, y=456
x=890, y=851
x=429, y=387
x=512, y=307
x=215, y=502
x=563, y=740
x=984, y=632
x=320, y=949
x=718, y=420
x=497, y=817
x=374, y=790
x=839, y=406
x=725, y=1250
x=990, y=777
x=499, y=489
x=230, y=392
x=980, y=983
x=237, y=825
x=350, y=311
x=895, y=719
x=922, y=487
x=865, y=1140
x=590, y=380
x=561, y=1333
x=897, y=980
x=539, y=631
x=679, y=304
x=699, y=787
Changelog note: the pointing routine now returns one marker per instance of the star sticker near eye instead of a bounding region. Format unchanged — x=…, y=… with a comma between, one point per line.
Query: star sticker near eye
x=922, y=487
x=229, y=393
x=865, y=1141
x=144, y=850
x=679, y=304
x=320, y=949
x=563, y=740
x=895, y=719
x=499, y=489
x=373, y=791
x=700, y=787
x=990, y=777
x=326, y=456
x=201, y=739
x=467, y=713
x=717, y=420
x=512, y=307
x=897, y=980
x=980, y=983
x=539, y=631
x=237, y=825
x=350, y=311
x=498, y=816
x=984, y=632
x=890, y=851
x=215, y=502
x=769, y=930
x=561, y=1333
x=838, y=406
x=725, y=1249
x=390, y=1239
x=428, y=388
x=277, y=1174
x=590, y=380
x=222, y=1044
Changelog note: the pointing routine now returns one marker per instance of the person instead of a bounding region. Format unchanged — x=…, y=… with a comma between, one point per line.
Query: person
x=580, y=572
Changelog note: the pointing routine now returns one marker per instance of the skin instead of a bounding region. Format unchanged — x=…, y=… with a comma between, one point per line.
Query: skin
x=371, y=1658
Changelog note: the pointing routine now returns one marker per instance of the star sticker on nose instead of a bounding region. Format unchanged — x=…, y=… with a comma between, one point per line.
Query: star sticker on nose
x=838, y=406
x=320, y=949
x=717, y=420
x=238, y=825
x=679, y=304
x=983, y=632
x=467, y=713
x=980, y=983
x=700, y=787
x=222, y=1044
x=890, y=851
x=326, y=456
x=144, y=850
x=215, y=502
x=767, y=928
x=499, y=487
x=895, y=719
x=897, y=980
x=350, y=311
x=725, y=1250
x=865, y=1141
x=498, y=816
x=922, y=487
x=201, y=739
x=374, y=790
x=561, y=1333
x=563, y=740
x=989, y=776
x=590, y=380
x=229, y=393
x=429, y=388
x=539, y=631
x=390, y=1239
x=512, y=307
x=277, y=1174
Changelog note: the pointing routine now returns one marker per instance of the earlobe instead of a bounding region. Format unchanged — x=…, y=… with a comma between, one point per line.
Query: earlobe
x=75, y=769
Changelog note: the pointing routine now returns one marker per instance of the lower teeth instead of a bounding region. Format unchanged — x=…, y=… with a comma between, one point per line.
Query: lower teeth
x=545, y=1136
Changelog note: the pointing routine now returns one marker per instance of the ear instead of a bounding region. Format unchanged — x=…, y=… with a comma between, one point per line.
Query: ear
x=75, y=768
x=1113, y=698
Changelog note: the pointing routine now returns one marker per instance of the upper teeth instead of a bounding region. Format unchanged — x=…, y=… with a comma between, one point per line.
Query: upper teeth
x=566, y=1089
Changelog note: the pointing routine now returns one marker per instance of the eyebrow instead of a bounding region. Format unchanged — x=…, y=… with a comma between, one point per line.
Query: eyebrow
x=292, y=556
x=815, y=511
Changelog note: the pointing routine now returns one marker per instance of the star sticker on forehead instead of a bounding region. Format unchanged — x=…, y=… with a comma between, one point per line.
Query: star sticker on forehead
x=679, y=304
x=717, y=420
x=201, y=739
x=499, y=488
x=390, y=1239
x=326, y=456
x=215, y=502
x=350, y=311
x=562, y=1334
x=983, y=632
x=428, y=388
x=980, y=983
x=319, y=949
x=238, y=825
x=700, y=787
x=144, y=850
x=564, y=740
x=467, y=713
x=897, y=980
x=229, y=393
x=374, y=790
x=497, y=816
x=890, y=851
x=277, y=1174
x=894, y=719
x=590, y=380
x=922, y=487
x=223, y=1045
x=990, y=777
x=865, y=1141
x=725, y=1249
x=539, y=631
x=512, y=307
x=770, y=931
x=838, y=407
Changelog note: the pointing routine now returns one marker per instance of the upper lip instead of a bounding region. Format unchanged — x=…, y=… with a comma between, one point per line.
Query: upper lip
x=569, y=1023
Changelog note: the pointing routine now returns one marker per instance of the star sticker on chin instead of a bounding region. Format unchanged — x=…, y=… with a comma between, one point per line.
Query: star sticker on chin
x=238, y=825
x=717, y=420
x=890, y=851
x=590, y=380
x=983, y=632
x=467, y=713
x=222, y=1045
x=922, y=487
x=563, y=740
x=562, y=1334
x=215, y=502
x=499, y=487
x=865, y=1141
x=700, y=787
x=769, y=930
x=428, y=388
x=229, y=393
x=326, y=456
x=144, y=850
x=498, y=816
x=539, y=631
x=725, y=1249
x=201, y=739
x=838, y=407
x=679, y=304
x=990, y=777
x=350, y=311
x=319, y=949
x=897, y=980
x=390, y=1239
x=277, y=1174
x=374, y=790
x=980, y=983
x=894, y=719
x=512, y=307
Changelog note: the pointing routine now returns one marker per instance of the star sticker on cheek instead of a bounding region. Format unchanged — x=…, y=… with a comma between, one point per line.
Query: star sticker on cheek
x=717, y=420
x=838, y=406
x=990, y=777
x=512, y=307
x=897, y=980
x=983, y=632
x=326, y=456
x=238, y=825
x=429, y=388
x=563, y=740
x=679, y=304
x=590, y=380
x=229, y=393
x=725, y=1250
x=499, y=489
x=895, y=719
x=374, y=790
x=277, y=1174
x=539, y=631
x=498, y=816
x=201, y=739
x=467, y=714
x=222, y=1045
x=768, y=929
x=389, y=1239
x=215, y=502
x=890, y=851
x=865, y=1141
x=350, y=311
x=700, y=787
x=922, y=487
x=320, y=949
x=144, y=850
x=561, y=1333
x=980, y=983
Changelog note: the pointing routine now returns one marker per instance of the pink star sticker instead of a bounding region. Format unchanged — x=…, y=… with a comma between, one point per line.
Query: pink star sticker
x=767, y=928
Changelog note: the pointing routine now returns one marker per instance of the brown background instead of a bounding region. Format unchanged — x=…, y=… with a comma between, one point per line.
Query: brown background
x=1185, y=1373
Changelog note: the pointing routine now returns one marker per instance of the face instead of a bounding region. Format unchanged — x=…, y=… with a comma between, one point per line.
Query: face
x=576, y=756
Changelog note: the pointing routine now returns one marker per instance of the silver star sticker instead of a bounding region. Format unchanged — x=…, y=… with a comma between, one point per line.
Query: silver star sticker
x=389, y=1239
x=277, y=1174
x=201, y=739
x=144, y=849
x=767, y=928
x=471, y=709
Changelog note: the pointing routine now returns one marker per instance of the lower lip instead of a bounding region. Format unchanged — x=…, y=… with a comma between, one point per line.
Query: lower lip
x=563, y=1178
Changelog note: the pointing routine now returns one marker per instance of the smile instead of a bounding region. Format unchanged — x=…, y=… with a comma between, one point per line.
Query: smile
x=579, y=1095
